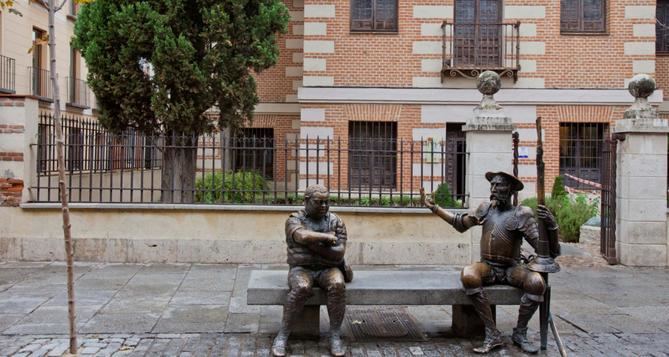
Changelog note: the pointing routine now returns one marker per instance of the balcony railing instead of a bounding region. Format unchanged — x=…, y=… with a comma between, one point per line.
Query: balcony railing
x=78, y=93
x=40, y=83
x=471, y=48
x=7, y=75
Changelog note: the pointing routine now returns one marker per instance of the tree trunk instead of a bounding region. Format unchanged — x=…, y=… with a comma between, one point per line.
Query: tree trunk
x=179, y=165
x=60, y=152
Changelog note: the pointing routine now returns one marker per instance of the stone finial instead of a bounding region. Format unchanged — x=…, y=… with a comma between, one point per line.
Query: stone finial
x=641, y=87
x=488, y=115
x=488, y=83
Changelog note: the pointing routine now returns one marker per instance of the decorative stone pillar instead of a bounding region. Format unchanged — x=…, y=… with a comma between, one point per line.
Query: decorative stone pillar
x=489, y=145
x=641, y=198
x=18, y=131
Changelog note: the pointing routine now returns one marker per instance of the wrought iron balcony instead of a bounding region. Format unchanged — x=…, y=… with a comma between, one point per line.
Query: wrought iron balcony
x=7, y=75
x=40, y=83
x=78, y=93
x=471, y=48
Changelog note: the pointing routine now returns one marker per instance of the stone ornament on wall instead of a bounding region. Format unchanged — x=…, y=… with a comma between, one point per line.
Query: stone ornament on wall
x=489, y=115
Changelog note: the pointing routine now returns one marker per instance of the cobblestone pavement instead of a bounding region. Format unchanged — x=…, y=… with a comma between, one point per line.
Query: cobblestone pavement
x=600, y=344
x=200, y=310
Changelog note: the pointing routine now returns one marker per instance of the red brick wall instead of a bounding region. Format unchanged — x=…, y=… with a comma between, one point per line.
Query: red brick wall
x=570, y=61
x=273, y=85
x=10, y=191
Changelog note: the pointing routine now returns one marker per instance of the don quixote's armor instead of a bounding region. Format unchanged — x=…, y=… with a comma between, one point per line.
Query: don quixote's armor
x=504, y=227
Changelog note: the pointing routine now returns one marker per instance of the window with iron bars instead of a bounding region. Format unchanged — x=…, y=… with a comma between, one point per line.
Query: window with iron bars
x=581, y=153
x=372, y=154
x=252, y=149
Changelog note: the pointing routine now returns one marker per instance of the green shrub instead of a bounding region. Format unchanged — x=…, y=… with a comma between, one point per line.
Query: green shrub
x=558, y=188
x=239, y=187
x=570, y=214
x=443, y=196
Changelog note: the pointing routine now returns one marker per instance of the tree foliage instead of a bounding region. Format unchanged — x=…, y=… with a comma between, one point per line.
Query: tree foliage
x=158, y=65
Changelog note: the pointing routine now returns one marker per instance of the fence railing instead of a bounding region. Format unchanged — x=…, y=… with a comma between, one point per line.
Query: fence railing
x=78, y=92
x=471, y=48
x=7, y=75
x=40, y=82
x=132, y=168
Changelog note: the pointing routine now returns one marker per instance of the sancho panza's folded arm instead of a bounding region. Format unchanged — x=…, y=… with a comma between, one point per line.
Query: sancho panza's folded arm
x=296, y=230
x=328, y=246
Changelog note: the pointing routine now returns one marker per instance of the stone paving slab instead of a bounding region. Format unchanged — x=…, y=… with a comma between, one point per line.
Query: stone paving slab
x=201, y=310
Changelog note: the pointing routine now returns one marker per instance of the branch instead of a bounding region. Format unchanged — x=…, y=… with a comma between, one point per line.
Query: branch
x=44, y=3
x=60, y=6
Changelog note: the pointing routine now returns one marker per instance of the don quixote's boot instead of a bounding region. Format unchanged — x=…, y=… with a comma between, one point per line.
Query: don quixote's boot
x=493, y=338
x=519, y=337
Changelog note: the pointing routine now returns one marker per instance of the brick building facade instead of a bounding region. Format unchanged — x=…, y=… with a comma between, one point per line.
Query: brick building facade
x=403, y=73
x=411, y=65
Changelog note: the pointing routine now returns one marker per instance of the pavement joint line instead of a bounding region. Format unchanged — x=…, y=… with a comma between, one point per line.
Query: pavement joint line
x=190, y=267
x=113, y=296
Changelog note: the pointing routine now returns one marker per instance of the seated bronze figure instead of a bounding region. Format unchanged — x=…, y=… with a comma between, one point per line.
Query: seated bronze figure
x=504, y=227
x=316, y=242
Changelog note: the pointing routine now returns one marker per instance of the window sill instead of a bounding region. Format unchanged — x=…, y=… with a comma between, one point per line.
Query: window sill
x=371, y=32
x=606, y=33
x=77, y=106
x=662, y=54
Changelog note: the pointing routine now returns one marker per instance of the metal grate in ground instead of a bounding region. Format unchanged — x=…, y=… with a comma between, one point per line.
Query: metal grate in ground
x=394, y=324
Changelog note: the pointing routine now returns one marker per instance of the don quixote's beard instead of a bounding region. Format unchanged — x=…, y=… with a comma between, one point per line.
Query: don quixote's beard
x=498, y=201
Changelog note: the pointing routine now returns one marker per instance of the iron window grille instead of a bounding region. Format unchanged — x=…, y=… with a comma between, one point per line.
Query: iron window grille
x=581, y=154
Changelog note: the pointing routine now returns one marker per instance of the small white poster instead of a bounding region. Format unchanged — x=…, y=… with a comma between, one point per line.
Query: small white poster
x=523, y=152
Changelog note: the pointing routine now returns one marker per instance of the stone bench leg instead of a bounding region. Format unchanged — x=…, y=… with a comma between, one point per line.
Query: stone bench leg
x=466, y=322
x=307, y=326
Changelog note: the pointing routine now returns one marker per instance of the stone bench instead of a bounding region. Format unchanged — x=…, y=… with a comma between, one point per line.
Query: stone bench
x=382, y=287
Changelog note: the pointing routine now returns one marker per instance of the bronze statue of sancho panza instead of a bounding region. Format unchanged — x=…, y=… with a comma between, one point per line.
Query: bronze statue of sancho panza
x=316, y=240
x=504, y=227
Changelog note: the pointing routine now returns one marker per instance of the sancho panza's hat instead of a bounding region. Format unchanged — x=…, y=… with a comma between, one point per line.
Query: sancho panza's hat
x=516, y=185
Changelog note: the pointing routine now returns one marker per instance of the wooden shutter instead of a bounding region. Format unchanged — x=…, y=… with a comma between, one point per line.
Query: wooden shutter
x=362, y=15
x=569, y=15
x=385, y=16
x=374, y=15
x=594, y=15
x=582, y=15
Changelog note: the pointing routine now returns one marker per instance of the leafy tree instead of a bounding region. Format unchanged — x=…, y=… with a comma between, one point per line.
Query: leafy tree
x=158, y=65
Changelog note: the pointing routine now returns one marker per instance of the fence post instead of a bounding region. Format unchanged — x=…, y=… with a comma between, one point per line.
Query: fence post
x=18, y=159
x=488, y=137
x=641, y=217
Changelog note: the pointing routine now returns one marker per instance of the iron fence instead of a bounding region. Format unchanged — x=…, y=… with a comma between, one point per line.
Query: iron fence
x=7, y=75
x=132, y=168
x=40, y=82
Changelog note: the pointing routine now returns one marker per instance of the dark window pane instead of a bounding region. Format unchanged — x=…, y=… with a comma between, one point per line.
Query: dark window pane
x=374, y=15
x=581, y=153
x=253, y=150
x=583, y=15
x=662, y=26
x=373, y=155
